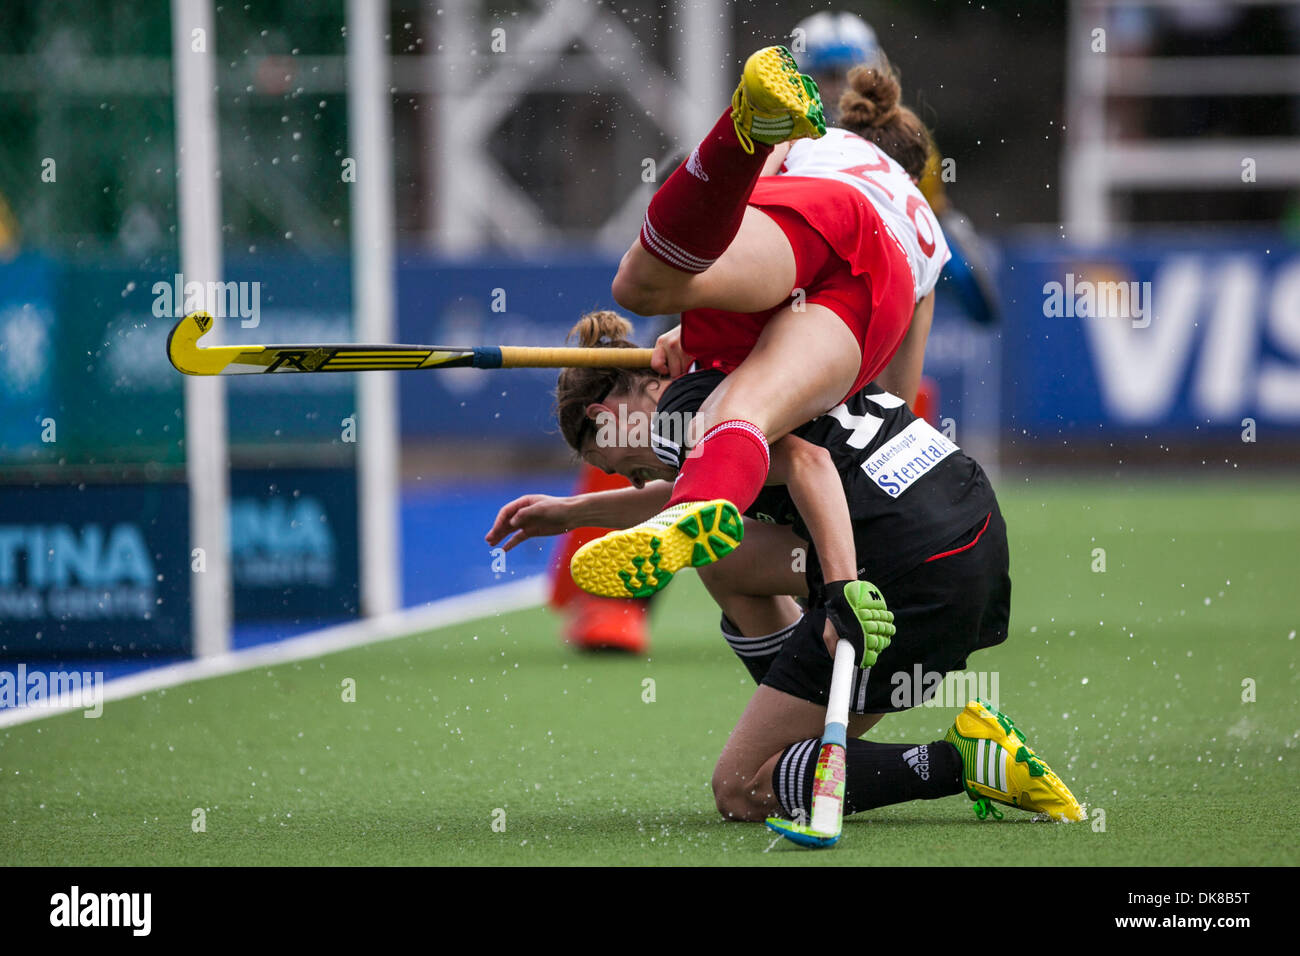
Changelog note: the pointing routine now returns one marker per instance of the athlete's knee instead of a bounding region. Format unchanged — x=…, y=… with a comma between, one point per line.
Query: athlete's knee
x=726, y=583
x=648, y=286
x=717, y=578
x=734, y=795
x=640, y=296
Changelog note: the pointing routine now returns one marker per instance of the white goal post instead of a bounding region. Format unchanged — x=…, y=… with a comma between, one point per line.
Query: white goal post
x=207, y=455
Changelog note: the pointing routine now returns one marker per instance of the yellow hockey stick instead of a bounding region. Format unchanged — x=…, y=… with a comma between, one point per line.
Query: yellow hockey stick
x=185, y=353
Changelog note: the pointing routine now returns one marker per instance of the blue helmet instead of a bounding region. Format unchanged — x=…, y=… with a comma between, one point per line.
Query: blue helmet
x=832, y=42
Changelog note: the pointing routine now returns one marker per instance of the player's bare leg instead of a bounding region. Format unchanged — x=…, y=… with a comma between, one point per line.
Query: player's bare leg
x=743, y=782
x=754, y=586
x=755, y=273
x=701, y=210
x=762, y=400
x=692, y=224
x=774, y=388
x=767, y=766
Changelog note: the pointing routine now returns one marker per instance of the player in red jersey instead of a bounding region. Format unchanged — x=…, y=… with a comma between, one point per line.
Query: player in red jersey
x=721, y=338
x=784, y=258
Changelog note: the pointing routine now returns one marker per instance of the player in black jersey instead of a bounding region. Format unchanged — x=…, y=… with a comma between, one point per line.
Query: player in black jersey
x=927, y=531
x=923, y=516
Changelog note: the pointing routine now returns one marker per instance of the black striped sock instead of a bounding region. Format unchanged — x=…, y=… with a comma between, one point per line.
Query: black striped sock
x=878, y=775
x=792, y=779
x=756, y=653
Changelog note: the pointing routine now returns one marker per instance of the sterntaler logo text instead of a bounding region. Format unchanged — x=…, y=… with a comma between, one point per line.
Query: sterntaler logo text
x=907, y=457
x=102, y=909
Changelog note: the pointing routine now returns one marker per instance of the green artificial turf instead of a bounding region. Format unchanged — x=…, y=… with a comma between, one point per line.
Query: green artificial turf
x=1129, y=682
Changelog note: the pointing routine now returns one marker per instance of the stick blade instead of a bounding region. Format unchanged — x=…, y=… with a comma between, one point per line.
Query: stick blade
x=802, y=835
x=187, y=356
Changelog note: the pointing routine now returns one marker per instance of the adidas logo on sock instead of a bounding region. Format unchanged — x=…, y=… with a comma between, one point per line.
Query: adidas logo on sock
x=694, y=167
x=918, y=758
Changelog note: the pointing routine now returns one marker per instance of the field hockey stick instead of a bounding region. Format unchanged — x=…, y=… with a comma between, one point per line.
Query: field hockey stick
x=186, y=355
x=827, y=817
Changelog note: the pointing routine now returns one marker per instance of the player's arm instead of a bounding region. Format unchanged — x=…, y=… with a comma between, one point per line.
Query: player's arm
x=533, y=516
x=775, y=159
x=902, y=376
x=817, y=491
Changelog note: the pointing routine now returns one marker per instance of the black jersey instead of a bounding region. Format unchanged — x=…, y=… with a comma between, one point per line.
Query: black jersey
x=911, y=491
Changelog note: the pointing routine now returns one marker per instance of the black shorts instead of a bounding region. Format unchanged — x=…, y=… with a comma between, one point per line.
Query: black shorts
x=957, y=602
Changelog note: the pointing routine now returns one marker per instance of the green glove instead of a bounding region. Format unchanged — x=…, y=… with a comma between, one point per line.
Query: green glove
x=857, y=611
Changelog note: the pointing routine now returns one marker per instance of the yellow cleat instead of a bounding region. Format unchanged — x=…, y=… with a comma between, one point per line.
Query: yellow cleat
x=999, y=767
x=775, y=102
x=639, y=561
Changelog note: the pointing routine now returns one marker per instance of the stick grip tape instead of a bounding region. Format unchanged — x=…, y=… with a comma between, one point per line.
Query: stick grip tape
x=515, y=356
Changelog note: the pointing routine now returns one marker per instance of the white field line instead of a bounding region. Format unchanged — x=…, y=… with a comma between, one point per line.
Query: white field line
x=484, y=602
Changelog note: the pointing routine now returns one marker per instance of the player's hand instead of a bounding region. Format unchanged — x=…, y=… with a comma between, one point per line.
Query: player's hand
x=531, y=516
x=668, y=358
x=857, y=611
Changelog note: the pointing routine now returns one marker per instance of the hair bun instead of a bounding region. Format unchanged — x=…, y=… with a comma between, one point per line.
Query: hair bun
x=872, y=96
x=870, y=107
x=603, y=329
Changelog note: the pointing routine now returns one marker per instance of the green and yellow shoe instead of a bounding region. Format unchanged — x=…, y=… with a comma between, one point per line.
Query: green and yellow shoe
x=641, y=560
x=999, y=768
x=775, y=102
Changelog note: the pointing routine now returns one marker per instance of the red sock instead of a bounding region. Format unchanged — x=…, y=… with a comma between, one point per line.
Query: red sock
x=730, y=461
x=697, y=211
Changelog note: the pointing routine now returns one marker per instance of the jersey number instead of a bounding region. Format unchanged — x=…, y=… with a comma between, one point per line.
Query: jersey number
x=917, y=210
x=863, y=427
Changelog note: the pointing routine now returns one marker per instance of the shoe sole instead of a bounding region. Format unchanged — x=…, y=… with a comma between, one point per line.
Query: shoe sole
x=775, y=88
x=641, y=561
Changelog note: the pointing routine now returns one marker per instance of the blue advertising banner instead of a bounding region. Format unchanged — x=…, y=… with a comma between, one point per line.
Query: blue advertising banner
x=512, y=302
x=27, y=376
x=105, y=569
x=494, y=302
x=107, y=395
x=961, y=361
x=290, y=299
x=94, y=569
x=293, y=542
x=1188, y=336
